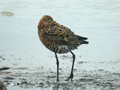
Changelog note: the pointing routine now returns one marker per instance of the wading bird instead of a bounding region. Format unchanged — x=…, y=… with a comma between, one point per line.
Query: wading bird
x=59, y=39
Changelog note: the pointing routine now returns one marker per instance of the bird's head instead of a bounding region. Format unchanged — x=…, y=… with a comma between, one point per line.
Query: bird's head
x=45, y=20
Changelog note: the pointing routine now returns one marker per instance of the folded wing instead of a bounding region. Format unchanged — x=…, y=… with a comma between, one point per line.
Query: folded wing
x=62, y=35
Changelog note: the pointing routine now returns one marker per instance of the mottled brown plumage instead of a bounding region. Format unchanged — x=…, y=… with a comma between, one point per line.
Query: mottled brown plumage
x=59, y=38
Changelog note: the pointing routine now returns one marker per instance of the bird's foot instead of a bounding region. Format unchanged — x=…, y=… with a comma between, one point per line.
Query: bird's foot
x=70, y=77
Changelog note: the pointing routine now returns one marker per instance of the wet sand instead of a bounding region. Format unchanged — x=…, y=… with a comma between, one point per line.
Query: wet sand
x=43, y=79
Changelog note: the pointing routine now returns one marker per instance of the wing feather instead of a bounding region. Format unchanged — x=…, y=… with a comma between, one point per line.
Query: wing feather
x=62, y=35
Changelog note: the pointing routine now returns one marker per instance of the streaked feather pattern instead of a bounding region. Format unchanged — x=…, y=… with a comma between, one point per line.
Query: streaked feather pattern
x=53, y=36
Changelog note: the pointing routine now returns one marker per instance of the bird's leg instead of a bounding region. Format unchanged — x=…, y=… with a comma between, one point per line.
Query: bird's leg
x=57, y=62
x=71, y=75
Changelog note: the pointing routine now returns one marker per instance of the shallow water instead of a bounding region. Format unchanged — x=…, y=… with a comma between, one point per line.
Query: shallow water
x=32, y=66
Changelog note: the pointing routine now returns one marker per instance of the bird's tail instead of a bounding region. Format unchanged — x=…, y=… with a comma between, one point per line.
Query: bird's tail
x=83, y=40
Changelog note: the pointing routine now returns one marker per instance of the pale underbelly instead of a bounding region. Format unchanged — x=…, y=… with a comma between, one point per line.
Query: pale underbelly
x=61, y=49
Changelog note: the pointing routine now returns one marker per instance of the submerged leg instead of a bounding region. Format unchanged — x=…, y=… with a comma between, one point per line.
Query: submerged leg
x=57, y=62
x=71, y=75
